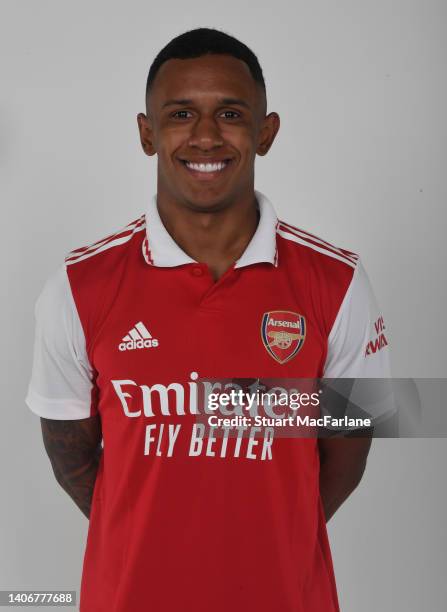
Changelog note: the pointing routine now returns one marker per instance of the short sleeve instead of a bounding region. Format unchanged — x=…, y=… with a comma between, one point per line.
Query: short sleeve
x=62, y=378
x=358, y=348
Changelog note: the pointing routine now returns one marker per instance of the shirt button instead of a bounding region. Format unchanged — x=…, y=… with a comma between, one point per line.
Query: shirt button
x=197, y=271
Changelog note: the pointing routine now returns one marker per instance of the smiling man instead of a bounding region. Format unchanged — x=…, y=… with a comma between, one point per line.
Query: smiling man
x=206, y=284
x=206, y=120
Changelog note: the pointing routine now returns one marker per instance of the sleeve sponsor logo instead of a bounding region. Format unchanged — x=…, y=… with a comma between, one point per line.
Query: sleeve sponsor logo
x=379, y=341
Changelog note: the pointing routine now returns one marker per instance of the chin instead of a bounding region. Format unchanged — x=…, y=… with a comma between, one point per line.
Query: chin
x=207, y=203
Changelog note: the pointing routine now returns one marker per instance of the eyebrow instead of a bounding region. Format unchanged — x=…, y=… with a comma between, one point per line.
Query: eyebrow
x=185, y=101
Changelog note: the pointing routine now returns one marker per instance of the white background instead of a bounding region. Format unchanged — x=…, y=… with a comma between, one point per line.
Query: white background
x=360, y=160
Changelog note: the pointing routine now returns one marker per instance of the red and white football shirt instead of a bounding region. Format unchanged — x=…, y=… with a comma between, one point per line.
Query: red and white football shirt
x=125, y=328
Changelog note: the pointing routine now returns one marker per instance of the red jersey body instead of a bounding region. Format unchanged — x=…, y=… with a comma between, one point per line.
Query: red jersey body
x=127, y=328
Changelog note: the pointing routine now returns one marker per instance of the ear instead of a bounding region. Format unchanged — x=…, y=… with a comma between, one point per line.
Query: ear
x=146, y=134
x=268, y=130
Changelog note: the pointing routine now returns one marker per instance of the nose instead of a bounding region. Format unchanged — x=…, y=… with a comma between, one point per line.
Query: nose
x=205, y=134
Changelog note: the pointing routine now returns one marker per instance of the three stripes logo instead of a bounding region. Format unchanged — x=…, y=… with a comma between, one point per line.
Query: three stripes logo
x=137, y=338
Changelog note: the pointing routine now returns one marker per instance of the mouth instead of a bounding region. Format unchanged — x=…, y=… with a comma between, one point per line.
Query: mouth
x=206, y=170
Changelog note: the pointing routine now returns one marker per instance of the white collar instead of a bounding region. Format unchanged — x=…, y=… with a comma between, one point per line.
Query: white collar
x=160, y=249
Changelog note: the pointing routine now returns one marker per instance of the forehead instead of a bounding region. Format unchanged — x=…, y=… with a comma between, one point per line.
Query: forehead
x=208, y=75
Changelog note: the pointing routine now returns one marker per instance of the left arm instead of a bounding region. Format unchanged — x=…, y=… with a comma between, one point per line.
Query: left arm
x=342, y=463
x=358, y=325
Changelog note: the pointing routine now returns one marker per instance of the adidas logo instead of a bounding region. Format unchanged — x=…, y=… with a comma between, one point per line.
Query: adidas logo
x=137, y=338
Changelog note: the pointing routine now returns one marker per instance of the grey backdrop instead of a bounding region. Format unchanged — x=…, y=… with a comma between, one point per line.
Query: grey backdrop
x=360, y=160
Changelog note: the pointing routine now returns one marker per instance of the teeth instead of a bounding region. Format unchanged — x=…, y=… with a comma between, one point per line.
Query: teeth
x=206, y=167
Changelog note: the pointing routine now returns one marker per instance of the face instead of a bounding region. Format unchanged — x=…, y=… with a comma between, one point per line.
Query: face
x=206, y=122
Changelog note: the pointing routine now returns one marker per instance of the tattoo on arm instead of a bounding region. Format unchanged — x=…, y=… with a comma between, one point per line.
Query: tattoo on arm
x=74, y=449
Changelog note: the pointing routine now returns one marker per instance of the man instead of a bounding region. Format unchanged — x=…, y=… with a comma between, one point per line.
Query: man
x=208, y=283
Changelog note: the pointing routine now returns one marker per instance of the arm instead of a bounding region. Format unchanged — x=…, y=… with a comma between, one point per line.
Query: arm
x=342, y=463
x=61, y=388
x=358, y=323
x=74, y=449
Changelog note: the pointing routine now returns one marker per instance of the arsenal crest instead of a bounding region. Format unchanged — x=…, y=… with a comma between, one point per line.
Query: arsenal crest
x=283, y=333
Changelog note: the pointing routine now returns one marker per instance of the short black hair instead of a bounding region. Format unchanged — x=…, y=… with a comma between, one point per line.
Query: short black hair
x=203, y=41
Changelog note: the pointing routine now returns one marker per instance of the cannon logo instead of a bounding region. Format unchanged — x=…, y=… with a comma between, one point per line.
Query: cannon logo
x=137, y=338
x=283, y=334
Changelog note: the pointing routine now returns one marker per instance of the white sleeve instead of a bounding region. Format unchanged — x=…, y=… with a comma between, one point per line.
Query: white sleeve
x=61, y=380
x=358, y=341
x=358, y=348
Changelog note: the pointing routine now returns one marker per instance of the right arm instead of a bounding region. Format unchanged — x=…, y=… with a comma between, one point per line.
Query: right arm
x=74, y=448
x=60, y=391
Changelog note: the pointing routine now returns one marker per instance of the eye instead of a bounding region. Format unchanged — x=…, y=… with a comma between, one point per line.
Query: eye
x=228, y=112
x=180, y=114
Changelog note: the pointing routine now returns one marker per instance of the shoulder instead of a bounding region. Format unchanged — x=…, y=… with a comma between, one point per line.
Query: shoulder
x=55, y=295
x=96, y=272
x=106, y=249
x=326, y=271
x=56, y=315
x=316, y=251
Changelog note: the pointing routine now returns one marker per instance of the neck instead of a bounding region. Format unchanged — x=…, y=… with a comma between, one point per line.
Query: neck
x=216, y=238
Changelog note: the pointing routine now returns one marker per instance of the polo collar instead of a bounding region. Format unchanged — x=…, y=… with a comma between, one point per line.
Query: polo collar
x=160, y=249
